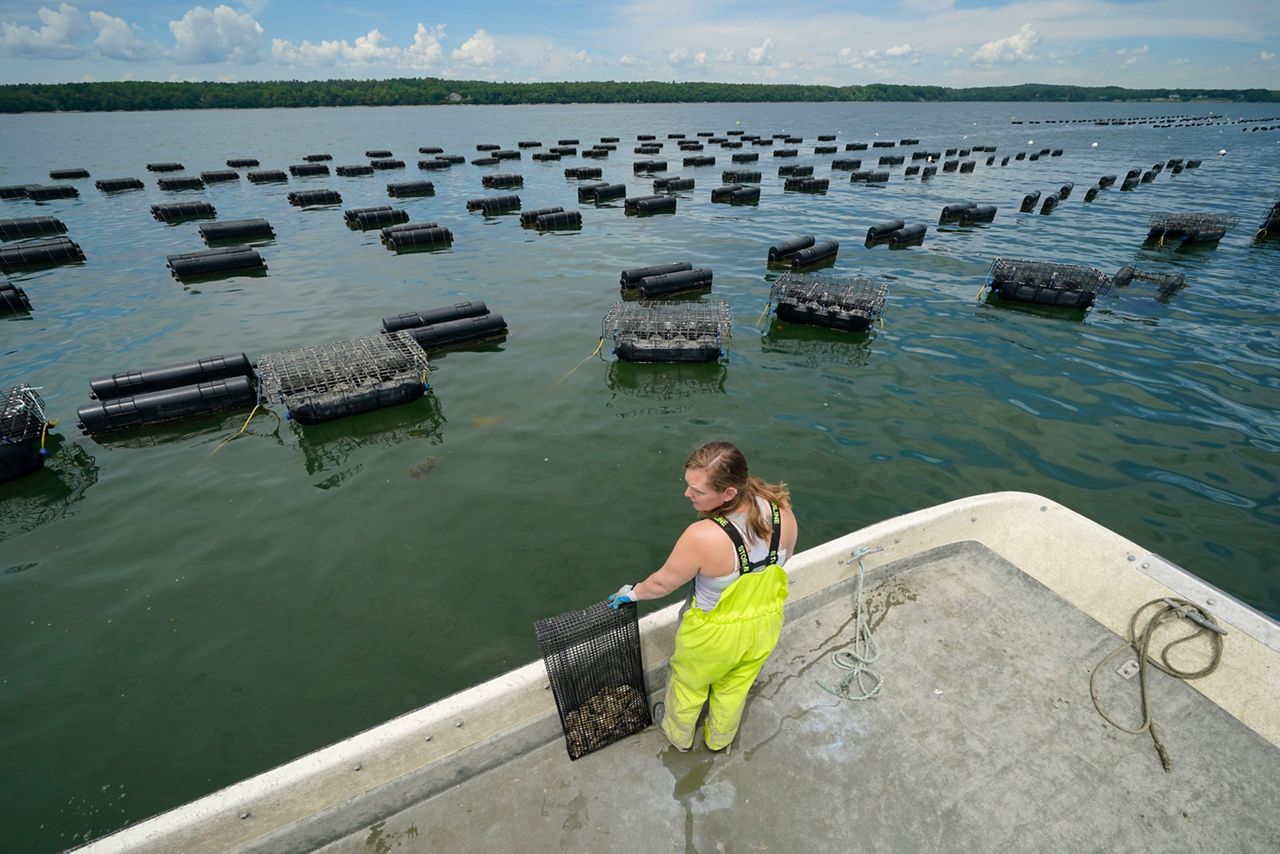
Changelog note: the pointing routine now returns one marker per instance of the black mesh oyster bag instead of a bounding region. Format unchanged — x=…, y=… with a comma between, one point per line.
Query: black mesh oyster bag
x=597, y=676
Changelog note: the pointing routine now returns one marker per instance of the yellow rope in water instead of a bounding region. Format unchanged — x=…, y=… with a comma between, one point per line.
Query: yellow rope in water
x=237, y=434
x=252, y=413
x=599, y=346
x=981, y=288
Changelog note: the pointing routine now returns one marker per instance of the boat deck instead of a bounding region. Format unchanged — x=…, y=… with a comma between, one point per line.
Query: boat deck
x=983, y=737
x=990, y=613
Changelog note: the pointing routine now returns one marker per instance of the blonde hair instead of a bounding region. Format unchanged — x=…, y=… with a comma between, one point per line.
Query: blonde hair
x=725, y=466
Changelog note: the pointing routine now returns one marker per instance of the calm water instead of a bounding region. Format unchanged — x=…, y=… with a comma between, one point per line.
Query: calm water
x=176, y=615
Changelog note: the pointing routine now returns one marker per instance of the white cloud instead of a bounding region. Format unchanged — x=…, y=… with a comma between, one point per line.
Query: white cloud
x=1136, y=51
x=726, y=55
x=365, y=50
x=307, y=53
x=480, y=49
x=1266, y=56
x=426, y=49
x=850, y=57
x=368, y=49
x=116, y=39
x=678, y=56
x=898, y=50
x=761, y=55
x=1016, y=47
x=220, y=35
x=1182, y=60
x=700, y=58
x=626, y=59
x=56, y=39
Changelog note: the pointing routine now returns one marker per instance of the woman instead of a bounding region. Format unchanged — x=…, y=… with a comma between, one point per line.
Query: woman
x=734, y=554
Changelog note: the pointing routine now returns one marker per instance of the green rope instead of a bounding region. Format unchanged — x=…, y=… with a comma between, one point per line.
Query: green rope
x=863, y=651
x=1140, y=642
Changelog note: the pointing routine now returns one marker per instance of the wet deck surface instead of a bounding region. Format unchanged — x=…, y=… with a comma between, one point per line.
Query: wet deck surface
x=983, y=738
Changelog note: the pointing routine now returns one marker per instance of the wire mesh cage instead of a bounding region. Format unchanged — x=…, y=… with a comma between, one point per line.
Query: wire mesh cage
x=22, y=426
x=593, y=660
x=1191, y=226
x=22, y=415
x=1167, y=284
x=851, y=303
x=669, y=330
x=331, y=381
x=1047, y=283
x=1271, y=223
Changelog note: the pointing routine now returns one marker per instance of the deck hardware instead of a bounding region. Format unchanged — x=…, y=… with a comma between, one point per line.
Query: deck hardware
x=1129, y=669
x=1194, y=615
x=859, y=553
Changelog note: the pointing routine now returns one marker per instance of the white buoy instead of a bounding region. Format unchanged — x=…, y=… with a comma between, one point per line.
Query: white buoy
x=1093, y=145
x=1031, y=142
x=1222, y=152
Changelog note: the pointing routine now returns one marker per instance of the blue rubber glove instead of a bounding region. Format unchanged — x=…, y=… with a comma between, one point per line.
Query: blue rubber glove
x=624, y=595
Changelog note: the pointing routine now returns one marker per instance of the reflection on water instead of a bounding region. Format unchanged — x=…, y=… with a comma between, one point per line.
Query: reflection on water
x=328, y=447
x=48, y=494
x=205, y=429
x=1058, y=312
x=816, y=346
x=666, y=380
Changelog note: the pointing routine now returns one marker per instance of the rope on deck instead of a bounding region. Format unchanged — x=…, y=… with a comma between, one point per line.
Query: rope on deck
x=1170, y=608
x=863, y=651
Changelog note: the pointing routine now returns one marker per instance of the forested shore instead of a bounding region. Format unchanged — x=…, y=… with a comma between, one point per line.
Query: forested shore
x=142, y=95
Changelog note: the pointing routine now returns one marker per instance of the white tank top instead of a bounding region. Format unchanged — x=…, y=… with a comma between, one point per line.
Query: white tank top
x=706, y=588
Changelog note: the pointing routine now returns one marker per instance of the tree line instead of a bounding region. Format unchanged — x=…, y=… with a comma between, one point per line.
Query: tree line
x=142, y=95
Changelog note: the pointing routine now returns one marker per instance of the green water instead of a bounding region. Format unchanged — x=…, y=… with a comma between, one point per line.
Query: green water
x=177, y=613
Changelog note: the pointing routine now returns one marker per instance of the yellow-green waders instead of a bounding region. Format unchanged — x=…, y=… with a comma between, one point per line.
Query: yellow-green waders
x=720, y=652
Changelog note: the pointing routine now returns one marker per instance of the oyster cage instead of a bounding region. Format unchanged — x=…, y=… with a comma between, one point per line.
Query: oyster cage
x=851, y=303
x=1272, y=221
x=669, y=330
x=593, y=661
x=322, y=383
x=1167, y=284
x=1046, y=283
x=22, y=417
x=1193, y=226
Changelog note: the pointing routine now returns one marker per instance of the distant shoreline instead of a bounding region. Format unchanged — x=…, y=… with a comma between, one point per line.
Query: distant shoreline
x=427, y=91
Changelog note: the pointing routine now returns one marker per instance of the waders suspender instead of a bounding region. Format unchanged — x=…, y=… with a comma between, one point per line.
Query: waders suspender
x=744, y=562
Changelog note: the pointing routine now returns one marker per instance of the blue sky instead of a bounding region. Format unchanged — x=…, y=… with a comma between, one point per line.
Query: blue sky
x=1138, y=43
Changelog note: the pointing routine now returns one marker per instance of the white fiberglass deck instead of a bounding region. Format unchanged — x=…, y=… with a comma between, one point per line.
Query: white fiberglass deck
x=991, y=612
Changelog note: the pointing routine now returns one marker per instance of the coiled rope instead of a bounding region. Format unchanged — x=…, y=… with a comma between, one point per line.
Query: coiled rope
x=1169, y=608
x=863, y=651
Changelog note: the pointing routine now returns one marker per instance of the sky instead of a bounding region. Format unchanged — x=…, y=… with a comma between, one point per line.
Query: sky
x=1132, y=43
